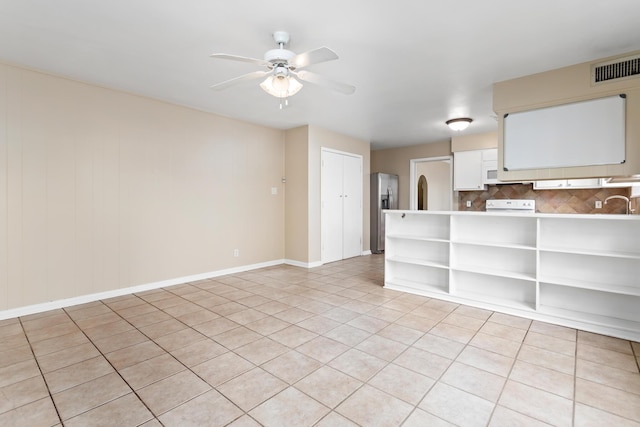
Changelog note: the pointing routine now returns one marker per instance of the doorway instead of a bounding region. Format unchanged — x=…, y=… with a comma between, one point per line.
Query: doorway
x=423, y=194
x=431, y=183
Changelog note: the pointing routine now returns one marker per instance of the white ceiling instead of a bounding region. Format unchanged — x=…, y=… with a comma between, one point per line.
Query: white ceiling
x=414, y=63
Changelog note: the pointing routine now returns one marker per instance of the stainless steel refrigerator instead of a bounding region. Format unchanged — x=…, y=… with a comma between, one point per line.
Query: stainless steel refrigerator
x=384, y=195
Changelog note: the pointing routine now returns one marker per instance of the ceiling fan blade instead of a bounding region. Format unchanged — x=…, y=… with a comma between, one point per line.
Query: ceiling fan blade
x=319, y=80
x=236, y=80
x=315, y=56
x=240, y=58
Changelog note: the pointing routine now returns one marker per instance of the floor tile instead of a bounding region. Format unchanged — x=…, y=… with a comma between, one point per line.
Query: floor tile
x=609, y=399
x=267, y=325
x=402, y=383
x=547, y=359
x=348, y=335
x=453, y=333
x=84, y=397
x=538, y=404
x=209, y=409
x=172, y=391
x=372, y=407
x=179, y=339
x=553, y=330
x=322, y=349
x=495, y=344
x=319, y=324
x=475, y=381
x=486, y=360
x=251, y=388
x=457, y=406
x=38, y=413
x=237, y=337
x=328, y=386
x=606, y=375
x=18, y=372
x=67, y=356
x=543, y=378
x=76, y=374
x=509, y=320
x=291, y=366
x=441, y=346
x=21, y=393
x=505, y=417
x=261, y=351
x=368, y=323
x=588, y=416
x=420, y=418
x=134, y=354
x=293, y=336
x=333, y=419
x=126, y=410
x=423, y=362
x=151, y=370
x=290, y=407
x=606, y=357
x=358, y=364
x=606, y=342
x=244, y=421
x=400, y=333
x=222, y=368
x=198, y=352
x=120, y=341
x=507, y=332
x=381, y=347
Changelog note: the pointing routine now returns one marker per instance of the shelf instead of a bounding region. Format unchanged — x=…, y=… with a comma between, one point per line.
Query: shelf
x=418, y=238
x=518, y=305
x=574, y=270
x=594, y=286
x=494, y=244
x=494, y=272
x=594, y=319
x=415, y=261
x=395, y=283
x=592, y=252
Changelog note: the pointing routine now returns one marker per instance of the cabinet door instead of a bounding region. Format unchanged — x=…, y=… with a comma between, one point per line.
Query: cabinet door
x=550, y=184
x=584, y=183
x=467, y=170
x=352, y=207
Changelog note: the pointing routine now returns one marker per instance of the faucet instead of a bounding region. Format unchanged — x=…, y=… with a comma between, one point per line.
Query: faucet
x=625, y=198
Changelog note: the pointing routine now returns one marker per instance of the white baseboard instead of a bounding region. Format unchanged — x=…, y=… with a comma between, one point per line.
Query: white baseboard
x=83, y=299
x=302, y=264
x=366, y=253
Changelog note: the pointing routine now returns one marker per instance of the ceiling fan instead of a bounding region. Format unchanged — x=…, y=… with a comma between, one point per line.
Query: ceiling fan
x=284, y=69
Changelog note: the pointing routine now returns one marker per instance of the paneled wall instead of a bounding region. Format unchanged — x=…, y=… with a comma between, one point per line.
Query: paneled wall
x=102, y=190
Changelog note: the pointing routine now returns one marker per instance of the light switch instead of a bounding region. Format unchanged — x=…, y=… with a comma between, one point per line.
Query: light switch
x=274, y=190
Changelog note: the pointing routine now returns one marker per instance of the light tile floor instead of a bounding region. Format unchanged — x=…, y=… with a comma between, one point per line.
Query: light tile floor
x=286, y=346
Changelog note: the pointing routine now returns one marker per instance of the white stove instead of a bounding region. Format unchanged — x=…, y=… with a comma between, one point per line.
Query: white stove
x=513, y=205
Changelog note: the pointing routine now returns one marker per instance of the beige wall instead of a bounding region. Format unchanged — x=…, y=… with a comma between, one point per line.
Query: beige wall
x=102, y=190
x=321, y=138
x=562, y=86
x=297, y=194
x=396, y=161
x=303, y=169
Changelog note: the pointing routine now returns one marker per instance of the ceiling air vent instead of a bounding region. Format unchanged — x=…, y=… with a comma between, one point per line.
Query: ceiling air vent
x=616, y=69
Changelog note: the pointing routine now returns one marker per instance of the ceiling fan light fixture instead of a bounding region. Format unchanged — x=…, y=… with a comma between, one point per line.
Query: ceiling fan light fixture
x=281, y=86
x=459, y=124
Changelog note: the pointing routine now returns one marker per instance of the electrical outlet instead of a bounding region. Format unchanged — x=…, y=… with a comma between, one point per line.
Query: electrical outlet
x=468, y=203
x=598, y=204
x=236, y=252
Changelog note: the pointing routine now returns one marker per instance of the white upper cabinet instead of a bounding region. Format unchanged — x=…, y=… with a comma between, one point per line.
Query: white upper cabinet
x=567, y=184
x=467, y=171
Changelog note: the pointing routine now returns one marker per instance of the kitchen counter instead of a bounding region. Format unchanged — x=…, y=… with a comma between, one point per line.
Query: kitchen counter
x=575, y=270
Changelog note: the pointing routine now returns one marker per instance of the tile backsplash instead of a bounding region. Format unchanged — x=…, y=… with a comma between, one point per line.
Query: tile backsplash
x=573, y=201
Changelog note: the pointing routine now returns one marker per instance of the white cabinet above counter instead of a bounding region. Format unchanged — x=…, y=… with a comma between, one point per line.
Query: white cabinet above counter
x=579, y=271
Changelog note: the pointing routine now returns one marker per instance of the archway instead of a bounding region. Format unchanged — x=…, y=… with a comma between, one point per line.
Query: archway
x=423, y=189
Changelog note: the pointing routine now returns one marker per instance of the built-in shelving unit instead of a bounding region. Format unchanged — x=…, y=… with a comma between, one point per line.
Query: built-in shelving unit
x=581, y=271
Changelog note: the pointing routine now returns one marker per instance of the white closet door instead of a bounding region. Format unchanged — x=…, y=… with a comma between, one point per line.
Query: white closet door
x=352, y=207
x=331, y=220
x=341, y=216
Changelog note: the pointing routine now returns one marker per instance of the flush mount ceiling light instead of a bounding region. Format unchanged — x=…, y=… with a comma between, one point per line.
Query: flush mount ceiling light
x=459, y=124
